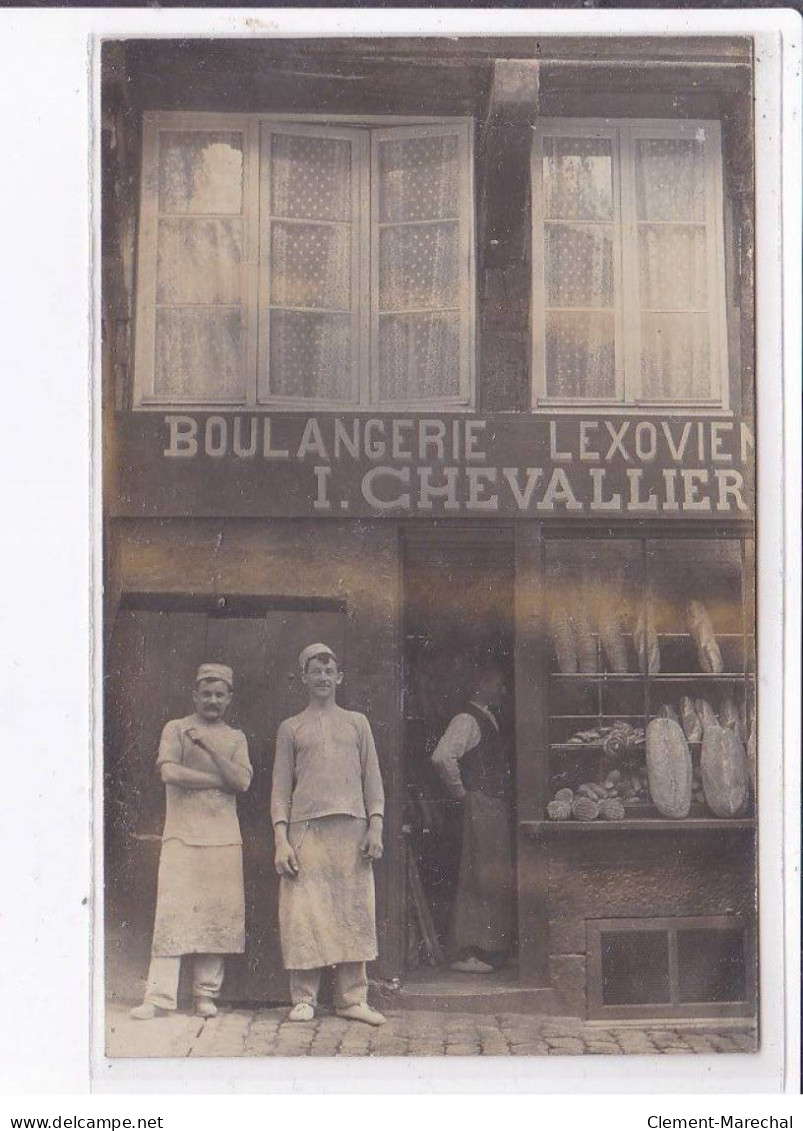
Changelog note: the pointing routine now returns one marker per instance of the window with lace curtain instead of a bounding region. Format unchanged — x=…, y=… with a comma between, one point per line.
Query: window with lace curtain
x=304, y=264
x=628, y=264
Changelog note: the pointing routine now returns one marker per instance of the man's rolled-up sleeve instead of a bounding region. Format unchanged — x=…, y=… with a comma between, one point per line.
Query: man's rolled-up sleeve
x=240, y=755
x=372, y=790
x=462, y=735
x=282, y=791
x=170, y=749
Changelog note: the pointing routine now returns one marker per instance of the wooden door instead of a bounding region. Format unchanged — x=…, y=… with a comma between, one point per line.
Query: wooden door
x=152, y=662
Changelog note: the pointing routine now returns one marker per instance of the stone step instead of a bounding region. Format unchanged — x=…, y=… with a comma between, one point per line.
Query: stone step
x=443, y=990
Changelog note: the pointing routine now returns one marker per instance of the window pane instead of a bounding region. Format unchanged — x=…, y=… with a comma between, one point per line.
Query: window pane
x=670, y=179
x=200, y=172
x=578, y=265
x=310, y=177
x=675, y=357
x=199, y=261
x=419, y=178
x=419, y=356
x=311, y=265
x=635, y=967
x=578, y=178
x=310, y=355
x=673, y=268
x=580, y=358
x=418, y=266
x=199, y=353
x=711, y=966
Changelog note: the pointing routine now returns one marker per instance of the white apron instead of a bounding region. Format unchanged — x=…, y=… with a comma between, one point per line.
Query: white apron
x=327, y=913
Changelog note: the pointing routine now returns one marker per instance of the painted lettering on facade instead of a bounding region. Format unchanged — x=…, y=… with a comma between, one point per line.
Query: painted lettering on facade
x=423, y=465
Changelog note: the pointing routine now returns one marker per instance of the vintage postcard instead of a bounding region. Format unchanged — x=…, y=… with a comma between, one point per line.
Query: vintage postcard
x=428, y=424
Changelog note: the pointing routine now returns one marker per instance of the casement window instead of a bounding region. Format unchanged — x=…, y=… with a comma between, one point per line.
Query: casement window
x=628, y=264
x=296, y=264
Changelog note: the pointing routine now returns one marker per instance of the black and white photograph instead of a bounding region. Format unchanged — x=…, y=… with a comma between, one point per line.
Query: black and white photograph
x=430, y=711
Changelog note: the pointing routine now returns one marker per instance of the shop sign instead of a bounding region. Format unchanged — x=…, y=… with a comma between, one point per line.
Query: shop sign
x=407, y=466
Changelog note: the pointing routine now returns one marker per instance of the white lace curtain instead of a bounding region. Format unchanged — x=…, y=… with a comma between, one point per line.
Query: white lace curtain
x=418, y=276
x=416, y=235
x=199, y=317
x=666, y=249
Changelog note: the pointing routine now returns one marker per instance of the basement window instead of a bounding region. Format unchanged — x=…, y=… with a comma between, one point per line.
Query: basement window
x=672, y=967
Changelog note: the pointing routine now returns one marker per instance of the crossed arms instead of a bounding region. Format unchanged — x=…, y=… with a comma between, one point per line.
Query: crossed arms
x=229, y=774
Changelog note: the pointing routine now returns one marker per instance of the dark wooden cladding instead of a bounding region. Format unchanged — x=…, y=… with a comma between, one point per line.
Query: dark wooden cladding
x=451, y=49
x=345, y=76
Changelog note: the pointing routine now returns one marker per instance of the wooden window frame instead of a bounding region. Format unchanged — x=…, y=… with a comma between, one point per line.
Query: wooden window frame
x=364, y=131
x=669, y=925
x=623, y=134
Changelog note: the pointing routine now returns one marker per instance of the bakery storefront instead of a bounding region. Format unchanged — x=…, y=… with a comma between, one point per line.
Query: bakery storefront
x=430, y=349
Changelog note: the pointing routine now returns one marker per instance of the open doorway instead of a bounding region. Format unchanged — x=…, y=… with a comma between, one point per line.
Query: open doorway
x=458, y=612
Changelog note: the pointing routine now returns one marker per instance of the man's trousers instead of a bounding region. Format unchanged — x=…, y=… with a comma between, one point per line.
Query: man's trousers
x=350, y=985
x=162, y=989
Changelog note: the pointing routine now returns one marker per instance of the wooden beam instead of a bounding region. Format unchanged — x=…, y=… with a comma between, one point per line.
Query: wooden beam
x=505, y=139
x=514, y=88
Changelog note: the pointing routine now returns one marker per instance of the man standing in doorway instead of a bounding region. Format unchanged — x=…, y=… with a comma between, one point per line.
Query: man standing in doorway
x=473, y=763
x=200, y=900
x=327, y=809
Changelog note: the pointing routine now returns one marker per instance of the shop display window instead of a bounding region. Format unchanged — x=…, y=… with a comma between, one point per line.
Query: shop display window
x=646, y=629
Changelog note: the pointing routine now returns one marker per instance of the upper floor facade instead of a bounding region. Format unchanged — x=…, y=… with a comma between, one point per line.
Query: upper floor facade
x=427, y=229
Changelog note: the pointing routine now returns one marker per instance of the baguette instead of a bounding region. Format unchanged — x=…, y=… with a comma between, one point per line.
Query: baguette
x=702, y=631
x=646, y=640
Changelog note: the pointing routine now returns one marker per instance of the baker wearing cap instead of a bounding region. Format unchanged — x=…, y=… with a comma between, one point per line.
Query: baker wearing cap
x=200, y=901
x=327, y=807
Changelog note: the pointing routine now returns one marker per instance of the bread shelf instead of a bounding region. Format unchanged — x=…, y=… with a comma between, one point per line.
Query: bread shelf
x=619, y=716
x=660, y=677
x=683, y=635
x=639, y=824
x=698, y=677
x=569, y=747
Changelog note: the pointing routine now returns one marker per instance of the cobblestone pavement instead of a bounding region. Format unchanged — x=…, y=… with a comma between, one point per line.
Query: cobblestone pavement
x=265, y=1032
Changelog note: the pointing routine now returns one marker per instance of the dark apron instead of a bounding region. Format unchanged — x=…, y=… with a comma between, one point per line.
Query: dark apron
x=483, y=912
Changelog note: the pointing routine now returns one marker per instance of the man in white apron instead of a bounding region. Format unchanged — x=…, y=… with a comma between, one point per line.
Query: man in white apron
x=472, y=760
x=200, y=900
x=327, y=808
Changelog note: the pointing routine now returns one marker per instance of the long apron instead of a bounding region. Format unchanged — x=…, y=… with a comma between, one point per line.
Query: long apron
x=327, y=913
x=200, y=902
x=483, y=912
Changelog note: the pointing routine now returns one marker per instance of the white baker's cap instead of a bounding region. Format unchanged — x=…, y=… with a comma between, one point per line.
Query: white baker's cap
x=215, y=671
x=312, y=650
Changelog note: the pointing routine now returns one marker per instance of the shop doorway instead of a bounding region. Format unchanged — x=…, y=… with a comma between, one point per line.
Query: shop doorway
x=458, y=595
x=157, y=643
